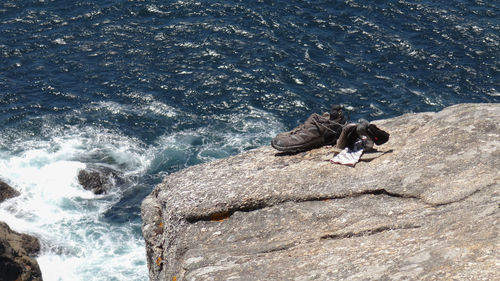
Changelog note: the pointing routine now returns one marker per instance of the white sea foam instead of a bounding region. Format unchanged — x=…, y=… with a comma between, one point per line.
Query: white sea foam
x=146, y=105
x=494, y=93
x=78, y=243
x=347, y=91
x=242, y=131
x=60, y=41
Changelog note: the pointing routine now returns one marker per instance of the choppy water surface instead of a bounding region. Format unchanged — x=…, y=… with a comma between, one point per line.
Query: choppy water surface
x=150, y=87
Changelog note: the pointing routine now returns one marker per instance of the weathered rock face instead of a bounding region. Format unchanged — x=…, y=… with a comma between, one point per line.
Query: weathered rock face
x=16, y=256
x=16, y=249
x=6, y=191
x=99, y=179
x=426, y=210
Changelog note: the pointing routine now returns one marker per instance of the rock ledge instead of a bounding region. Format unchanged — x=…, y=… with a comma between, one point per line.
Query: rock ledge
x=426, y=210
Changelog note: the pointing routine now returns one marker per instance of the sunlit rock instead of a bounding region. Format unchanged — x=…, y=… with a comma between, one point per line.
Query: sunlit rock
x=17, y=253
x=425, y=210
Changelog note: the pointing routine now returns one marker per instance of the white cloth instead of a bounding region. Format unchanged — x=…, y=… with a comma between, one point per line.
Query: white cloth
x=347, y=157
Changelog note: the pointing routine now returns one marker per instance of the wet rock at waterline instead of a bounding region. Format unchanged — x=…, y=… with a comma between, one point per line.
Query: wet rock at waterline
x=6, y=191
x=17, y=250
x=99, y=179
x=426, y=210
x=17, y=253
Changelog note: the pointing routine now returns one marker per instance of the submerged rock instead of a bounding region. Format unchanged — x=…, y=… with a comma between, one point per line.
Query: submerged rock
x=6, y=191
x=99, y=179
x=426, y=210
x=16, y=256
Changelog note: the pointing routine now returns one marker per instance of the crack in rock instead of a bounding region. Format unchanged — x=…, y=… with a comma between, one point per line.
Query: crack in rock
x=367, y=232
x=226, y=214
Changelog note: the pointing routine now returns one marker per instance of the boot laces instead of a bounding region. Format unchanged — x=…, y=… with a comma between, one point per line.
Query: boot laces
x=320, y=124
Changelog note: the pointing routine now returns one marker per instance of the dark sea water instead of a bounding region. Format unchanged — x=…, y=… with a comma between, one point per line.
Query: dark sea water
x=151, y=87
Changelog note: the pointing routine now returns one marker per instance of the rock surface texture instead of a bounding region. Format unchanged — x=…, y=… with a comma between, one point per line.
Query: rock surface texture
x=6, y=191
x=99, y=179
x=426, y=210
x=16, y=256
x=17, y=250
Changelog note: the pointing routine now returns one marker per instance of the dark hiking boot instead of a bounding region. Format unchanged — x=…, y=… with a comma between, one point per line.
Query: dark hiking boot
x=336, y=114
x=366, y=132
x=347, y=137
x=362, y=131
x=317, y=131
x=377, y=135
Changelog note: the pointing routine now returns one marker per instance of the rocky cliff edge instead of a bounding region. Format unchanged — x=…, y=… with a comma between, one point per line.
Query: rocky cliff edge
x=426, y=210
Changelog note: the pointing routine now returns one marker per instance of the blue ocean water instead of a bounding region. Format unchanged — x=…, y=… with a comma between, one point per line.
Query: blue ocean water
x=151, y=87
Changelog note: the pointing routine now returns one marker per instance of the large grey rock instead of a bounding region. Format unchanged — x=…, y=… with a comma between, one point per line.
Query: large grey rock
x=17, y=253
x=426, y=210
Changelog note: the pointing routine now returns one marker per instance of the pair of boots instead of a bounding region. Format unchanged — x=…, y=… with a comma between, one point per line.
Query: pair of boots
x=329, y=129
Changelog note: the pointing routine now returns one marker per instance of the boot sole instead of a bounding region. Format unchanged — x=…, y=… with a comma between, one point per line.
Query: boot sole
x=297, y=148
